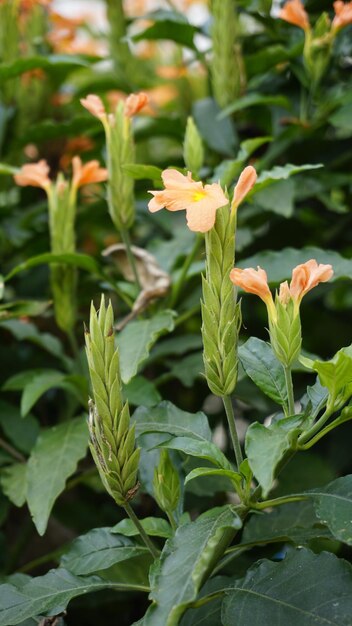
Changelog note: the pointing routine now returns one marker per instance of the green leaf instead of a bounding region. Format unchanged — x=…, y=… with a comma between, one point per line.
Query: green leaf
x=266, y=447
x=219, y=134
x=279, y=265
x=305, y=588
x=188, y=369
x=335, y=374
x=262, y=366
x=51, y=64
x=26, y=331
x=342, y=118
x=186, y=561
x=22, y=308
x=83, y=261
x=7, y=169
x=280, y=172
x=255, y=99
x=168, y=419
x=137, y=338
x=278, y=198
x=37, y=382
x=140, y=172
x=23, y=434
x=333, y=506
x=54, y=590
x=99, y=549
x=293, y=523
x=201, y=449
x=171, y=26
x=153, y=526
x=141, y=392
x=53, y=459
x=234, y=477
x=13, y=481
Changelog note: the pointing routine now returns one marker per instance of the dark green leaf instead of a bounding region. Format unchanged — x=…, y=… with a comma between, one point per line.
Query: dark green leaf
x=305, y=588
x=185, y=561
x=50, y=64
x=219, y=134
x=255, y=99
x=141, y=392
x=99, y=549
x=333, y=506
x=261, y=365
x=53, y=459
x=153, y=526
x=13, y=480
x=83, y=261
x=169, y=419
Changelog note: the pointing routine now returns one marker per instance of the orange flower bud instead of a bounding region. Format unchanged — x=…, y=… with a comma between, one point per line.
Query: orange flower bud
x=307, y=276
x=343, y=14
x=34, y=175
x=95, y=106
x=134, y=103
x=90, y=172
x=294, y=13
x=183, y=193
x=254, y=281
x=284, y=293
x=245, y=183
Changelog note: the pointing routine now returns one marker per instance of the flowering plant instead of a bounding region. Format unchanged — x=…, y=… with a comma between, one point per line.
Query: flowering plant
x=165, y=438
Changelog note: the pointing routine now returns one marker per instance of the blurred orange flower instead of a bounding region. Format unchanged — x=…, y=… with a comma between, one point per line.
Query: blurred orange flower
x=245, y=183
x=90, y=172
x=34, y=175
x=95, y=106
x=134, y=103
x=343, y=14
x=307, y=276
x=74, y=146
x=183, y=193
x=295, y=13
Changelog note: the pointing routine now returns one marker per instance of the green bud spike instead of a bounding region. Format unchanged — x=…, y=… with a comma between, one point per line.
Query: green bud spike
x=227, y=69
x=112, y=439
x=193, y=151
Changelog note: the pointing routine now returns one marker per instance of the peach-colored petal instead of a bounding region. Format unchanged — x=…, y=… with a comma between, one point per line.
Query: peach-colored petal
x=307, y=276
x=343, y=14
x=34, y=175
x=94, y=105
x=134, y=103
x=90, y=172
x=284, y=293
x=251, y=281
x=245, y=183
x=182, y=192
x=294, y=13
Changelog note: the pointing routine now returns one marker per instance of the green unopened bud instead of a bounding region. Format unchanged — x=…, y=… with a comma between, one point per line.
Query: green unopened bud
x=317, y=48
x=166, y=483
x=285, y=332
x=227, y=69
x=221, y=316
x=112, y=440
x=121, y=151
x=193, y=151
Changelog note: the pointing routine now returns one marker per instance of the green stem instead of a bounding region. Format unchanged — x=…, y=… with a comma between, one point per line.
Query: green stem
x=289, y=387
x=73, y=344
x=12, y=451
x=133, y=517
x=233, y=431
x=317, y=426
x=130, y=256
x=278, y=501
x=184, y=270
x=50, y=556
x=171, y=520
x=324, y=432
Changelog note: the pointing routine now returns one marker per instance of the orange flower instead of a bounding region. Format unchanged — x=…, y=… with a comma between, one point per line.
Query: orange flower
x=34, y=175
x=294, y=13
x=95, y=106
x=134, y=103
x=253, y=281
x=182, y=192
x=307, y=276
x=90, y=172
x=343, y=14
x=284, y=293
x=245, y=183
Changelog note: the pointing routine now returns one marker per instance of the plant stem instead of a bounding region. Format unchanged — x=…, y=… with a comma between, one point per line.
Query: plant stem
x=278, y=501
x=133, y=517
x=184, y=270
x=130, y=256
x=317, y=426
x=12, y=451
x=289, y=387
x=171, y=520
x=322, y=433
x=233, y=431
x=50, y=556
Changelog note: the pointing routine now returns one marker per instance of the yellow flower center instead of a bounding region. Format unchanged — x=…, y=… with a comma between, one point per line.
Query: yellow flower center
x=198, y=195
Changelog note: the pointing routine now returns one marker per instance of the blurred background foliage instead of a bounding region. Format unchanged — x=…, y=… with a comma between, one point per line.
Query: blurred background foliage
x=254, y=101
